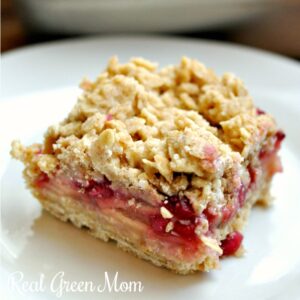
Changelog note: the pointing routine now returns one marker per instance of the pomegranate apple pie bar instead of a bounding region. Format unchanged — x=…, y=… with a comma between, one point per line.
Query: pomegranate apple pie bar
x=167, y=163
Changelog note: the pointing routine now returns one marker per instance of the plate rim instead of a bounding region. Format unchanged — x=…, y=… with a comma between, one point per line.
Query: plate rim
x=155, y=37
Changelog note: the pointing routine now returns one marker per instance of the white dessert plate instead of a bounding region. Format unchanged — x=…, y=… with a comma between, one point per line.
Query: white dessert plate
x=43, y=258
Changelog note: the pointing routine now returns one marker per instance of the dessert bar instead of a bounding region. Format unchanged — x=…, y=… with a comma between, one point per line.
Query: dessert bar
x=165, y=162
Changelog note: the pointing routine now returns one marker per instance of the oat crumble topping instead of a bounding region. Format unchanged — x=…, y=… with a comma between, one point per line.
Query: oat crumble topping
x=178, y=129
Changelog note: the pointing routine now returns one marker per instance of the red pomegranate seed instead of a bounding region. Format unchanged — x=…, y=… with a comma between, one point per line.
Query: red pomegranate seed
x=231, y=243
x=279, y=138
x=260, y=111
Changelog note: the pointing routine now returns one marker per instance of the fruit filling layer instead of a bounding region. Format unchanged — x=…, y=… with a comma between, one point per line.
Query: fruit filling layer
x=175, y=220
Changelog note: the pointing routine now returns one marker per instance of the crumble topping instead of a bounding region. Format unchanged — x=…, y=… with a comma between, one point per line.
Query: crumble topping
x=178, y=129
x=212, y=244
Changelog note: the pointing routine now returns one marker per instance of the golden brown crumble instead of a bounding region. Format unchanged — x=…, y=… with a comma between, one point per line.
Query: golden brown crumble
x=181, y=128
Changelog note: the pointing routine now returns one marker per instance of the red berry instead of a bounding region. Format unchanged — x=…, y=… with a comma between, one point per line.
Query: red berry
x=260, y=111
x=231, y=243
x=279, y=138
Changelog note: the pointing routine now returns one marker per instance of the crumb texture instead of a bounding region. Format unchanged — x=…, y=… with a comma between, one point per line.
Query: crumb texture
x=173, y=129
